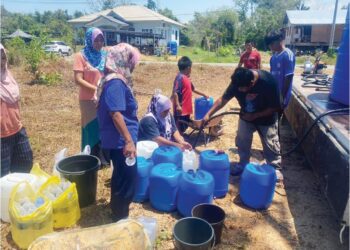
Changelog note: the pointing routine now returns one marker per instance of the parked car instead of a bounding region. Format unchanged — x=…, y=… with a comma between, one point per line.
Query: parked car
x=58, y=47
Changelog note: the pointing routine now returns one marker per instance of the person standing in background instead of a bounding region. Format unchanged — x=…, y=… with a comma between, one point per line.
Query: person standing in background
x=89, y=66
x=16, y=152
x=250, y=58
x=282, y=65
x=117, y=116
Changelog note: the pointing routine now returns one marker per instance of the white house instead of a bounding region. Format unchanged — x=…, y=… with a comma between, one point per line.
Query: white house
x=133, y=24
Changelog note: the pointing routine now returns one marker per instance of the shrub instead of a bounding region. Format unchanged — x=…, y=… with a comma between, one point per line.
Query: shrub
x=49, y=78
x=225, y=51
x=15, y=51
x=331, y=52
x=196, y=51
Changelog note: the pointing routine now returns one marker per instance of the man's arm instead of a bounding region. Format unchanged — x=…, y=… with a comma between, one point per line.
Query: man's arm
x=219, y=103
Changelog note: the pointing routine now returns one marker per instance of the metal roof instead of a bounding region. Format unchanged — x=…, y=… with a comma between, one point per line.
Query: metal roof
x=128, y=13
x=19, y=33
x=311, y=17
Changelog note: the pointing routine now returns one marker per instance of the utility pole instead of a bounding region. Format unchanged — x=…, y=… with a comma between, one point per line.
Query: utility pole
x=333, y=25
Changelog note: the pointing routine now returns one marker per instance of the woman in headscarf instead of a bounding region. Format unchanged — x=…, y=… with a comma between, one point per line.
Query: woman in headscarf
x=117, y=116
x=16, y=153
x=89, y=66
x=159, y=125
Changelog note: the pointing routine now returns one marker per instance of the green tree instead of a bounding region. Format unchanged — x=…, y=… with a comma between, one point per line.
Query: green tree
x=168, y=13
x=151, y=5
x=98, y=5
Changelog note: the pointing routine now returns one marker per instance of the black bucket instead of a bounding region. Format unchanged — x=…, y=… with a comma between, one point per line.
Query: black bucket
x=212, y=214
x=193, y=233
x=81, y=169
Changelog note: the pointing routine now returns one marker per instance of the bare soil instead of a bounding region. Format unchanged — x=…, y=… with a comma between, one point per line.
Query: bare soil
x=299, y=217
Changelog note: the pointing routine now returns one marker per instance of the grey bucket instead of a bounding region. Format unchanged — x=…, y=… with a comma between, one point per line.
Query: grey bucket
x=192, y=233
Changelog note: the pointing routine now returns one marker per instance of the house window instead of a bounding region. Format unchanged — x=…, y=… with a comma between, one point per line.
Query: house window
x=145, y=30
x=163, y=24
x=151, y=31
x=176, y=35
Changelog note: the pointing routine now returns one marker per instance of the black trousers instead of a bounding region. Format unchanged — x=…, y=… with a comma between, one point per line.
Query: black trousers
x=122, y=185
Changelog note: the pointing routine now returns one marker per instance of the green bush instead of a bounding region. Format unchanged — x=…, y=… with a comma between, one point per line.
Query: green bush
x=196, y=51
x=331, y=52
x=225, y=51
x=49, y=78
x=34, y=55
x=15, y=51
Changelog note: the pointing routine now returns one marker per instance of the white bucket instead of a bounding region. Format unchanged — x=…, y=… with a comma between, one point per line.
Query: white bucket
x=145, y=148
x=7, y=183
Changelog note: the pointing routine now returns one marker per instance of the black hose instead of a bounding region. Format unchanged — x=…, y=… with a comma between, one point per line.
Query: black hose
x=339, y=111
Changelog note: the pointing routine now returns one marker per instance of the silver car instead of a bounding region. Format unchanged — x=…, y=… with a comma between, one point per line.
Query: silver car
x=58, y=47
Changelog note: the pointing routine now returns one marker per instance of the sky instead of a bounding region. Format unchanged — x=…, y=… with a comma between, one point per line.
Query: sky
x=183, y=9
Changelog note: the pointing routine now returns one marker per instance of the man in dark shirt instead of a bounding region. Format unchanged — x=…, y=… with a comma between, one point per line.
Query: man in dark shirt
x=258, y=95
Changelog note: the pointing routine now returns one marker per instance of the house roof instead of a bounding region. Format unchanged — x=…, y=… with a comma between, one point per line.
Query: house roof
x=108, y=19
x=19, y=33
x=128, y=13
x=311, y=17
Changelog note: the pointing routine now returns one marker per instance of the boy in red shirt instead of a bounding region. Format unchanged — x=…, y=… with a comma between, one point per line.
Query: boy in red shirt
x=251, y=57
x=182, y=94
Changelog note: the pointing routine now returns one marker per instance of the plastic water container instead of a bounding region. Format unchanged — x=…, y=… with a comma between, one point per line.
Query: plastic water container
x=7, y=183
x=172, y=48
x=202, y=106
x=163, y=186
x=145, y=148
x=219, y=166
x=257, y=185
x=340, y=86
x=167, y=154
x=194, y=188
x=189, y=161
x=144, y=167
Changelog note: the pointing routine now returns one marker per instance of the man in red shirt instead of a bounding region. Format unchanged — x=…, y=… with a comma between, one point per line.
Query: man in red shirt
x=182, y=94
x=250, y=58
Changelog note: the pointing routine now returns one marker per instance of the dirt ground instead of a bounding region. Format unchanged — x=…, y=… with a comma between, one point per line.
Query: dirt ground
x=299, y=217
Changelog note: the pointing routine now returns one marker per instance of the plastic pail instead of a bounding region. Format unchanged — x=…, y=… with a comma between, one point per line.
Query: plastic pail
x=214, y=215
x=82, y=170
x=193, y=233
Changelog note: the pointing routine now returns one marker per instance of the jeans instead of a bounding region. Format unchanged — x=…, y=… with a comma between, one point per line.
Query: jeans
x=270, y=135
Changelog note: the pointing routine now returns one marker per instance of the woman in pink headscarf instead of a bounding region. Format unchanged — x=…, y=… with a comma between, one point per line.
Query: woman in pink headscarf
x=117, y=117
x=16, y=153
